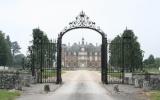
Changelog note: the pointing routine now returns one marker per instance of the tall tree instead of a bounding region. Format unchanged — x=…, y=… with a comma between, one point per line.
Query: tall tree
x=9, y=54
x=19, y=60
x=5, y=51
x=151, y=59
x=115, y=49
x=126, y=52
x=40, y=49
x=15, y=48
x=2, y=49
x=134, y=55
x=151, y=62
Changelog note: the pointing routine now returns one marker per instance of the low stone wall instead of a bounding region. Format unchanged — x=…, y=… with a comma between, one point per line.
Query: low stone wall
x=8, y=79
x=14, y=79
x=145, y=81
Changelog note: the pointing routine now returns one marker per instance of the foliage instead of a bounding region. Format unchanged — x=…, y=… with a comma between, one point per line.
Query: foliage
x=5, y=51
x=125, y=51
x=115, y=51
x=15, y=47
x=152, y=64
x=157, y=62
x=41, y=51
x=6, y=95
x=8, y=50
x=151, y=70
x=19, y=60
x=10, y=57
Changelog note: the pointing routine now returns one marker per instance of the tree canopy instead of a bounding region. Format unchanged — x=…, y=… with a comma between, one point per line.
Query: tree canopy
x=125, y=51
x=41, y=50
x=5, y=50
x=151, y=62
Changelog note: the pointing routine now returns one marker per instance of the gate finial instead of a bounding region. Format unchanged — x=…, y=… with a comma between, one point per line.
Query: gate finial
x=82, y=14
x=82, y=21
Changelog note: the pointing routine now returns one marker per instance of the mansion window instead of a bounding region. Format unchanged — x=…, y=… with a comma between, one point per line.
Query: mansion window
x=96, y=58
x=82, y=49
x=95, y=53
x=75, y=53
x=90, y=58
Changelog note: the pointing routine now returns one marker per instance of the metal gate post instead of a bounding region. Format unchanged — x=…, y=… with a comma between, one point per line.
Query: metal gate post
x=106, y=61
x=104, y=71
x=59, y=50
x=102, y=63
x=123, y=63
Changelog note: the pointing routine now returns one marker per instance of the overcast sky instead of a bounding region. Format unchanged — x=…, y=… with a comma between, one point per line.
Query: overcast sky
x=19, y=17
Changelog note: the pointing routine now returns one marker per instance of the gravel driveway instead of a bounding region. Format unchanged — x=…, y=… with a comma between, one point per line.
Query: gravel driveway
x=78, y=85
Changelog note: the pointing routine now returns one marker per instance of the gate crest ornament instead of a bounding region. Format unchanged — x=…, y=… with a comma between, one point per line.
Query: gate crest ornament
x=81, y=21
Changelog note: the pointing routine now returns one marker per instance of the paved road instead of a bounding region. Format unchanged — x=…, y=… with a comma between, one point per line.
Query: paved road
x=78, y=85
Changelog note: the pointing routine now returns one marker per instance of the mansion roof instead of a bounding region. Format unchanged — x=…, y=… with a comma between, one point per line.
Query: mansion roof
x=78, y=47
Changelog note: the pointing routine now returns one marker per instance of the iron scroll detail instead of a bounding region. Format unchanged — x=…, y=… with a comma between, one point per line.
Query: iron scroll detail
x=82, y=21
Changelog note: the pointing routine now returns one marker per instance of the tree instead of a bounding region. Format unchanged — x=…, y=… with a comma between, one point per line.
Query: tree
x=9, y=54
x=41, y=51
x=115, y=49
x=2, y=51
x=151, y=62
x=157, y=62
x=15, y=48
x=151, y=59
x=19, y=60
x=126, y=52
x=5, y=51
x=134, y=54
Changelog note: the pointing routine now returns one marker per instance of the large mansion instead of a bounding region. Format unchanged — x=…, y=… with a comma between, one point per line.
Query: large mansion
x=81, y=55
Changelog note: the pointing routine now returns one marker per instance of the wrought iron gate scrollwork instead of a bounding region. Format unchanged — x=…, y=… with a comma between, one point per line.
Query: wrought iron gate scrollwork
x=110, y=73
x=83, y=21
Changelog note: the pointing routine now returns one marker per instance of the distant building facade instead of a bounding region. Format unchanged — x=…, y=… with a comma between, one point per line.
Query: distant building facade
x=81, y=55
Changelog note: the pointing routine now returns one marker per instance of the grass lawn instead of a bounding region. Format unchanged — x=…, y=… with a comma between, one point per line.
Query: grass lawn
x=154, y=95
x=152, y=70
x=116, y=74
x=6, y=95
x=48, y=73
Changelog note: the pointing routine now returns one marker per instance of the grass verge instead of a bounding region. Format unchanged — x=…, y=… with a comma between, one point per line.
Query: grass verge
x=8, y=95
x=116, y=74
x=49, y=73
x=154, y=95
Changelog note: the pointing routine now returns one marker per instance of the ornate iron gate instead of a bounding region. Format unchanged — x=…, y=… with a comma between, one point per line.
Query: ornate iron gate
x=113, y=58
x=43, y=62
x=83, y=21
